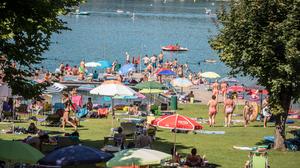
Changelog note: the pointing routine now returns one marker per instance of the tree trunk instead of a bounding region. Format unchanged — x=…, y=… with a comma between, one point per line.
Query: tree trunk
x=280, y=120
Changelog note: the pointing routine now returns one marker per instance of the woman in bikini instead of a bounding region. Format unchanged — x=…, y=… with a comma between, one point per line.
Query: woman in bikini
x=247, y=112
x=224, y=89
x=212, y=112
x=215, y=90
x=228, y=110
x=68, y=107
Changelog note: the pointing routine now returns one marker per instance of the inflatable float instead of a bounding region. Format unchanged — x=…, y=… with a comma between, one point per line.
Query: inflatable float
x=174, y=48
x=255, y=111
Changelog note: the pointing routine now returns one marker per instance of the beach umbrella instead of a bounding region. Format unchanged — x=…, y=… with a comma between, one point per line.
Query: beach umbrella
x=177, y=121
x=138, y=157
x=149, y=85
x=125, y=69
x=229, y=79
x=75, y=155
x=181, y=82
x=161, y=69
x=113, y=88
x=166, y=72
x=86, y=87
x=236, y=88
x=19, y=152
x=137, y=96
x=210, y=75
x=92, y=64
x=151, y=91
x=104, y=64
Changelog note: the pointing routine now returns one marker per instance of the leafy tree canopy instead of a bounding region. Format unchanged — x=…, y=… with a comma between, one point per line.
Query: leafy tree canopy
x=261, y=38
x=25, y=30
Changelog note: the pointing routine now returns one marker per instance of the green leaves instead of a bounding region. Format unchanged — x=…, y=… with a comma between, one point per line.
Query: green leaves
x=261, y=38
x=25, y=31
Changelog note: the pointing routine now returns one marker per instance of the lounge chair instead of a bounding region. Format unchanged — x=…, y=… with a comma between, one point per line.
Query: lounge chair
x=102, y=112
x=258, y=160
x=129, y=128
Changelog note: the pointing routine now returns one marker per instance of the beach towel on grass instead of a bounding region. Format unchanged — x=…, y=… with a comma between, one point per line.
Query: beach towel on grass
x=209, y=132
x=247, y=148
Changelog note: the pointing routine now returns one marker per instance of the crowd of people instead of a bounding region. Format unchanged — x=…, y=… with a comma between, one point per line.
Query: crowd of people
x=229, y=106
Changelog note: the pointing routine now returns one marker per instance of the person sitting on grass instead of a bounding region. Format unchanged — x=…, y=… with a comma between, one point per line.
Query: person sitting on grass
x=119, y=138
x=143, y=140
x=175, y=156
x=194, y=160
x=37, y=141
x=32, y=129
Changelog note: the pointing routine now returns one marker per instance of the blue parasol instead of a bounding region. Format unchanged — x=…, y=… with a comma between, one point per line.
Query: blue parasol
x=75, y=155
x=125, y=69
x=167, y=72
x=104, y=64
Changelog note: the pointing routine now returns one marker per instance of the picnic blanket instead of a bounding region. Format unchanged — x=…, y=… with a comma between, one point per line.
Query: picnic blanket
x=209, y=132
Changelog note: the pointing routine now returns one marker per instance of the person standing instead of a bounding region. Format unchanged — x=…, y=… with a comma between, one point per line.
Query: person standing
x=212, y=110
x=229, y=107
x=127, y=58
x=161, y=58
x=266, y=111
x=68, y=108
x=215, y=90
x=146, y=60
x=153, y=61
x=247, y=112
x=224, y=89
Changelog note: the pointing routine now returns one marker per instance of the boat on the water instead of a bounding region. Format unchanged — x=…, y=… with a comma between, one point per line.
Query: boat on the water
x=77, y=12
x=119, y=11
x=174, y=48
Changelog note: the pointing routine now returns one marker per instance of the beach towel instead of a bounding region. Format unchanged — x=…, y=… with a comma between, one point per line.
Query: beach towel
x=269, y=138
x=77, y=100
x=294, y=127
x=209, y=132
x=247, y=148
x=82, y=113
x=290, y=122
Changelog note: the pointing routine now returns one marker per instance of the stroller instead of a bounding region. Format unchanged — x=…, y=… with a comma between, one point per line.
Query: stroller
x=258, y=160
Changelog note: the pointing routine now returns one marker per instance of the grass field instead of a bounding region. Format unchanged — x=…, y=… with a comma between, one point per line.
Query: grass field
x=217, y=148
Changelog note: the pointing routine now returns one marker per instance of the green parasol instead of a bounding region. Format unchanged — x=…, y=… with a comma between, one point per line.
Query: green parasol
x=16, y=151
x=138, y=157
x=149, y=85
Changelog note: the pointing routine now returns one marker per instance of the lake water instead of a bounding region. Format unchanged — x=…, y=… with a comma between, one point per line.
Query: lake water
x=106, y=34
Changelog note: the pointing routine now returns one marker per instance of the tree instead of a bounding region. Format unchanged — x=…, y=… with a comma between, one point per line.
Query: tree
x=25, y=31
x=261, y=39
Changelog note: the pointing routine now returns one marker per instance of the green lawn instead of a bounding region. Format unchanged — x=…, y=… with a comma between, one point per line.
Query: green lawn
x=217, y=148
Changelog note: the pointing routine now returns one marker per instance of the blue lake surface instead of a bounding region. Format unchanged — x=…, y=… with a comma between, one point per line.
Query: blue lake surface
x=110, y=30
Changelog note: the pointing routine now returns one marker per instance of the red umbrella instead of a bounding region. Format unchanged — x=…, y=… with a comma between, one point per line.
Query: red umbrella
x=161, y=69
x=177, y=121
x=236, y=88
